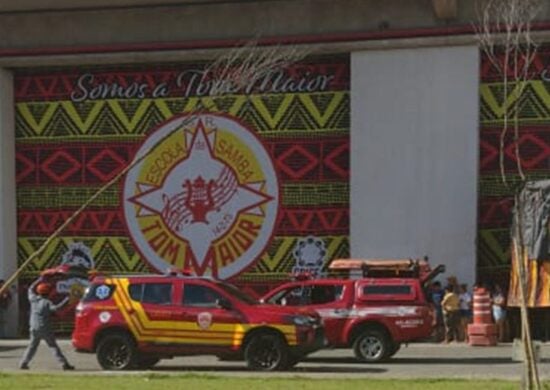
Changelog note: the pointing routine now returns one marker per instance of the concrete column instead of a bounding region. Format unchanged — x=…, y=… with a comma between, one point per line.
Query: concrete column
x=414, y=155
x=8, y=219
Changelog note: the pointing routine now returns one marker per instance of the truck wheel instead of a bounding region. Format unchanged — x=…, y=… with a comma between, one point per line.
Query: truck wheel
x=266, y=352
x=116, y=352
x=394, y=348
x=371, y=346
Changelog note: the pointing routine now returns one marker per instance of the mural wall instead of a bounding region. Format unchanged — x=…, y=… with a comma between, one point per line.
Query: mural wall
x=253, y=188
x=495, y=199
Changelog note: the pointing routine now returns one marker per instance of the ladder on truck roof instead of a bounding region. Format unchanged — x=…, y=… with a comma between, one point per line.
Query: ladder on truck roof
x=405, y=268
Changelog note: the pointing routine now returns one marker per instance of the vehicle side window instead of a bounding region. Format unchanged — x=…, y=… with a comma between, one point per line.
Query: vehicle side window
x=387, y=290
x=196, y=295
x=316, y=294
x=325, y=293
x=292, y=296
x=156, y=293
x=136, y=292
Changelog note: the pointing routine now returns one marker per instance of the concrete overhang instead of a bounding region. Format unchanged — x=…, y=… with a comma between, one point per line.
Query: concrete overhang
x=41, y=5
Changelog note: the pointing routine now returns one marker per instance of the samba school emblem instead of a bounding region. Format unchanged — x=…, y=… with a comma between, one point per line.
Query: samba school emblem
x=205, y=197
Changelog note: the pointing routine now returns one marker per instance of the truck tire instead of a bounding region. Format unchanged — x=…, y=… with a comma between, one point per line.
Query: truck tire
x=266, y=352
x=394, y=348
x=372, y=346
x=116, y=352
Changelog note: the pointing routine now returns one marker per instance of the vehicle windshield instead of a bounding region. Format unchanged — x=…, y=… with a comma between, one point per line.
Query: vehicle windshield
x=237, y=293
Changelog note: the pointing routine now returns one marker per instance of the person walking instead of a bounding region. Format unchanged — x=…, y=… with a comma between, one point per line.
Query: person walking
x=451, y=314
x=40, y=326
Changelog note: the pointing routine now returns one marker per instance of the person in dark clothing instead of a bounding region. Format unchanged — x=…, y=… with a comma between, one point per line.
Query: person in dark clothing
x=40, y=326
x=436, y=296
x=5, y=299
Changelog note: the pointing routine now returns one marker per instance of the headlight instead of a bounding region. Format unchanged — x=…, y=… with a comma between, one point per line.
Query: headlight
x=79, y=308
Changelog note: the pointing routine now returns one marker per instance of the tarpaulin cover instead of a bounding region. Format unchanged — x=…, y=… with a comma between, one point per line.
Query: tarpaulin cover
x=535, y=198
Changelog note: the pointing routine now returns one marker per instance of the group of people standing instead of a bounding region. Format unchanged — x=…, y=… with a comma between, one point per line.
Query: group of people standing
x=453, y=307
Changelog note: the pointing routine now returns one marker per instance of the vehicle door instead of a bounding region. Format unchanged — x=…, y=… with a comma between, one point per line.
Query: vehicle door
x=327, y=298
x=209, y=316
x=154, y=310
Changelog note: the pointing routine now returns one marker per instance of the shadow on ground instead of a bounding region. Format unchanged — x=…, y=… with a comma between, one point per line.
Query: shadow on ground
x=9, y=348
x=417, y=360
x=298, y=369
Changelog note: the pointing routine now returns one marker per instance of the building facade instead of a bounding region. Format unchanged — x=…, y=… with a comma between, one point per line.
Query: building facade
x=380, y=142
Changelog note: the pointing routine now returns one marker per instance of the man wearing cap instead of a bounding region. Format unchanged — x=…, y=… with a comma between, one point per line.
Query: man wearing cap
x=39, y=324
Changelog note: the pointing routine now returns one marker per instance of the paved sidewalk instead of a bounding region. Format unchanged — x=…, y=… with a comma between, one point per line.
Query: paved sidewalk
x=422, y=360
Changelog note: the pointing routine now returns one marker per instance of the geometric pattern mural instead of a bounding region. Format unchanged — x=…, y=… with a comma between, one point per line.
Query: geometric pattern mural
x=495, y=199
x=77, y=128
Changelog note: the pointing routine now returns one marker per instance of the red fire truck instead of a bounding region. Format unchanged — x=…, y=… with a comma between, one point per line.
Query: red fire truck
x=382, y=304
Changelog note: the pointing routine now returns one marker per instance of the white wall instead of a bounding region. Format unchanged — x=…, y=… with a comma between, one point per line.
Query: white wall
x=414, y=155
x=8, y=224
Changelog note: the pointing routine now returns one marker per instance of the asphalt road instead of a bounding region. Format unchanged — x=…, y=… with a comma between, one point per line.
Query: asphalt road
x=415, y=361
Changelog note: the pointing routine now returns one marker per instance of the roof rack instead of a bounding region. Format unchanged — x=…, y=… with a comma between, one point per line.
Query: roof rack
x=412, y=268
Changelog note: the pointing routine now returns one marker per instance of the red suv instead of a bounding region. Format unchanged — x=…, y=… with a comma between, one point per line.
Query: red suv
x=134, y=321
x=374, y=313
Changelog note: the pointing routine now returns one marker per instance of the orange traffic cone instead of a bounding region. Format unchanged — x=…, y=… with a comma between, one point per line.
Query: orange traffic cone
x=483, y=331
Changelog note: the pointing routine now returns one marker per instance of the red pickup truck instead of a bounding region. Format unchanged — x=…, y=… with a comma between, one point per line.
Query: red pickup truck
x=373, y=313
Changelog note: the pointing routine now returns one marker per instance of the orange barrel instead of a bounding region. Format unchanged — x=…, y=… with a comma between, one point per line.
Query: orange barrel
x=482, y=307
x=482, y=334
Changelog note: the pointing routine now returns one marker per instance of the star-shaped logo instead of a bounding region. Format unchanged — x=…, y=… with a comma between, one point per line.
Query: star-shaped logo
x=201, y=196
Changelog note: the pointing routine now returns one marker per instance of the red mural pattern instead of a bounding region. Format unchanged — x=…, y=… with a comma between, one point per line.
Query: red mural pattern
x=84, y=147
x=495, y=198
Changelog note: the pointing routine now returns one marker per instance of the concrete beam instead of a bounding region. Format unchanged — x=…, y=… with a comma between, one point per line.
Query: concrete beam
x=192, y=21
x=36, y=5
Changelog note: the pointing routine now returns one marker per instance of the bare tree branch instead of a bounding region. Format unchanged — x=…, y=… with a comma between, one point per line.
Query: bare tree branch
x=504, y=35
x=244, y=66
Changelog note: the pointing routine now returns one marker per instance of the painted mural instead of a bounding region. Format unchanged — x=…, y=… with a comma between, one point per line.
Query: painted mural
x=255, y=186
x=495, y=199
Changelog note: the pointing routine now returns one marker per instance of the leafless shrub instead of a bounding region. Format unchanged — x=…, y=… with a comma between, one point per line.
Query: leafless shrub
x=242, y=67
x=504, y=35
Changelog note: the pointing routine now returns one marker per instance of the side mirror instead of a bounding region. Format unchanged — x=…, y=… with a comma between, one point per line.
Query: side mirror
x=224, y=304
